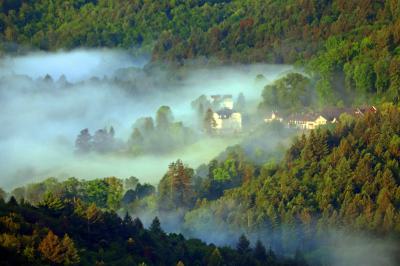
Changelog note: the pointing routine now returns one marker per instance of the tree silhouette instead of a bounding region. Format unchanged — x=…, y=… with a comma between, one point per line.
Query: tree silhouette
x=51, y=248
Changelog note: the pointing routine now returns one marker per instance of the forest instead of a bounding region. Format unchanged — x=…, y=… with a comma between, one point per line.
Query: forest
x=336, y=177
x=71, y=232
x=348, y=46
x=83, y=156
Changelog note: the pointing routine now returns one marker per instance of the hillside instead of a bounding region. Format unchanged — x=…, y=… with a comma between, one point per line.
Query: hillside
x=71, y=233
x=339, y=178
x=351, y=48
x=347, y=177
x=281, y=196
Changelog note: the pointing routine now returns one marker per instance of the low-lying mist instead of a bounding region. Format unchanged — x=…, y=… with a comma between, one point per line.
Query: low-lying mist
x=77, y=65
x=47, y=98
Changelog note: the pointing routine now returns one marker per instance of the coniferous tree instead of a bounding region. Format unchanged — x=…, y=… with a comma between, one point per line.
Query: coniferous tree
x=136, y=137
x=259, y=251
x=164, y=118
x=83, y=143
x=138, y=225
x=215, y=259
x=70, y=256
x=51, y=248
x=155, y=226
x=176, y=187
x=92, y=215
x=243, y=245
x=209, y=121
x=52, y=203
x=3, y=195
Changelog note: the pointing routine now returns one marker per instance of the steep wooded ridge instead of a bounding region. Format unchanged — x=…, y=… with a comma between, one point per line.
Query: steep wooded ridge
x=65, y=232
x=345, y=177
x=346, y=45
x=242, y=30
x=342, y=176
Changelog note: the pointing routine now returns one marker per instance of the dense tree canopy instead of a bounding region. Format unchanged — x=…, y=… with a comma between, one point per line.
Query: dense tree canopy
x=346, y=177
x=346, y=45
x=37, y=236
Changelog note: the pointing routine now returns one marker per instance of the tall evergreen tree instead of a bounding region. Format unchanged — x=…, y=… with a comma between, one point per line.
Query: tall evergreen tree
x=209, y=121
x=51, y=248
x=83, y=143
x=243, y=245
x=155, y=226
x=215, y=259
x=71, y=256
x=259, y=251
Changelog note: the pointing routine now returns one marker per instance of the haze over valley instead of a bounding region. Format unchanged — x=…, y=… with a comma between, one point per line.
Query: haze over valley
x=47, y=98
x=201, y=132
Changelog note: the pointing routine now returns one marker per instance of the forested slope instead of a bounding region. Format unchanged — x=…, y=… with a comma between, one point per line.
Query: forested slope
x=60, y=232
x=348, y=46
x=347, y=177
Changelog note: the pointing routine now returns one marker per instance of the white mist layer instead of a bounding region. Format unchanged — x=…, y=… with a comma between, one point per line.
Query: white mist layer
x=77, y=65
x=41, y=119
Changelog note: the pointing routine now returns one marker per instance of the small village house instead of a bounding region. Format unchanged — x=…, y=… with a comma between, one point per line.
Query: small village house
x=315, y=119
x=227, y=120
x=274, y=117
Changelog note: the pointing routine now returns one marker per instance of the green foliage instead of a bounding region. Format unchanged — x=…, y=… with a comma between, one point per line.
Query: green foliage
x=215, y=259
x=243, y=246
x=155, y=227
x=209, y=121
x=105, y=193
x=288, y=94
x=30, y=236
x=52, y=203
x=175, y=189
x=51, y=249
x=164, y=136
x=344, y=177
x=336, y=41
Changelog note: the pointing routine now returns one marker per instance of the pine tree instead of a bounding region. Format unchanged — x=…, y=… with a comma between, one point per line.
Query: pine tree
x=92, y=215
x=138, y=225
x=182, y=184
x=176, y=188
x=209, y=121
x=155, y=226
x=260, y=252
x=51, y=248
x=127, y=221
x=71, y=256
x=243, y=246
x=51, y=203
x=215, y=259
x=148, y=126
x=12, y=201
x=83, y=143
x=164, y=118
x=3, y=195
x=136, y=137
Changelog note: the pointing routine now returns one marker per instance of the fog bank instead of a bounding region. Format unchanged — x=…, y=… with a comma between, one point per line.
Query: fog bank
x=43, y=116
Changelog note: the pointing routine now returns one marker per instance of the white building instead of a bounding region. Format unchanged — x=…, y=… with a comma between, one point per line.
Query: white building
x=274, y=117
x=327, y=116
x=227, y=121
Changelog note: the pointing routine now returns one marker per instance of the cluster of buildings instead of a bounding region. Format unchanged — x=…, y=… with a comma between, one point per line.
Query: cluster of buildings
x=315, y=119
x=226, y=119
